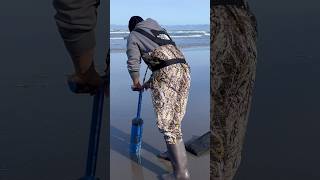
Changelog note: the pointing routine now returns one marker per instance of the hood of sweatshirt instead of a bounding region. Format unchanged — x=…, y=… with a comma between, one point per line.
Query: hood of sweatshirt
x=149, y=24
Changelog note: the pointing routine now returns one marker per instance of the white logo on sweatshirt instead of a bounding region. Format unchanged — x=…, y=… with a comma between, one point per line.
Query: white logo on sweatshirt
x=163, y=36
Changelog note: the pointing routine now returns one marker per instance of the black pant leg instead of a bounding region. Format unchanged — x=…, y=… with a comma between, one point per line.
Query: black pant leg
x=76, y=21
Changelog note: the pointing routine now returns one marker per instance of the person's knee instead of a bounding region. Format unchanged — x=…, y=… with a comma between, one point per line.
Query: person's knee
x=72, y=4
x=80, y=15
x=171, y=137
x=61, y=4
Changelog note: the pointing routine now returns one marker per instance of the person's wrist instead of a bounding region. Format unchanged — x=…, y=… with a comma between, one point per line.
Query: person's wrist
x=135, y=82
x=134, y=75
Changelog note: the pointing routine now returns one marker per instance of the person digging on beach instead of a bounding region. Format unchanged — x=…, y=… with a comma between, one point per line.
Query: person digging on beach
x=76, y=21
x=233, y=68
x=169, y=84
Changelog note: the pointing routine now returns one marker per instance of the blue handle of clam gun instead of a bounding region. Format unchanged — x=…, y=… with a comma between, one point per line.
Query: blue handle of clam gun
x=139, y=105
x=96, y=121
x=137, y=127
x=136, y=130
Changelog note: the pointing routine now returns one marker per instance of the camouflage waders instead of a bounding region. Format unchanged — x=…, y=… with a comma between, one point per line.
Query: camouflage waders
x=170, y=84
x=233, y=68
x=169, y=91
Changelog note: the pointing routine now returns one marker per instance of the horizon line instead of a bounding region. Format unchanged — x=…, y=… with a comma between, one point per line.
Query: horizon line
x=162, y=24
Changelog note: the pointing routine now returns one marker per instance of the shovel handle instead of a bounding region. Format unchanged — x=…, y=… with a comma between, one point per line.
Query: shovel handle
x=139, y=105
x=140, y=96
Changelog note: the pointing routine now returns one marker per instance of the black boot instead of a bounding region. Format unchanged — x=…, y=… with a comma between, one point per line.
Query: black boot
x=179, y=161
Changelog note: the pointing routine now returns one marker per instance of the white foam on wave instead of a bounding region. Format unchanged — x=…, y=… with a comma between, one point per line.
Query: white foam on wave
x=188, y=32
x=122, y=34
x=188, y=36
x=117, y=38
x=176, y=32
x=119, y=32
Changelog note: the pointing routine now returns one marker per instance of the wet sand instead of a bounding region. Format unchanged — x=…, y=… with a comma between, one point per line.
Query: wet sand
x=123, y=109
x=283, y=131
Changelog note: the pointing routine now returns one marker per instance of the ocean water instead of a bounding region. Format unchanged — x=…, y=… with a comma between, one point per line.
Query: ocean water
x=185, y=36
x=282, y=140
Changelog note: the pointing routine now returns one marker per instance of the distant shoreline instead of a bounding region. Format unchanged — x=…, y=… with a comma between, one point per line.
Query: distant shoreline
x=112, y=26
x=186, y=48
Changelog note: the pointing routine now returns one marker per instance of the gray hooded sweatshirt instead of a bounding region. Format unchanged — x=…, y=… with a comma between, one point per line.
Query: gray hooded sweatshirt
x=138, y=44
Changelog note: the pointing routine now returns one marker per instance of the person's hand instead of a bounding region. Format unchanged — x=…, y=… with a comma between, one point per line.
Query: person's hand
x=146, y=85
x=137, y=87
x=86, y=83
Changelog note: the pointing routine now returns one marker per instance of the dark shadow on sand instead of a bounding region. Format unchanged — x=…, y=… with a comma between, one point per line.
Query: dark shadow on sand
x=120, y=143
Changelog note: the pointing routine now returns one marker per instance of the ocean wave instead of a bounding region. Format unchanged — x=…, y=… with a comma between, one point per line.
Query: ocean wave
x=122, y=34
x=174, y=36
x=187, y=32
x=188, y=36
x=117, y=38
x=170, y=32
x=119, y=32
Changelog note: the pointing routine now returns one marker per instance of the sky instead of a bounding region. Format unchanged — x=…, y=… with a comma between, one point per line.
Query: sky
x=166, y=12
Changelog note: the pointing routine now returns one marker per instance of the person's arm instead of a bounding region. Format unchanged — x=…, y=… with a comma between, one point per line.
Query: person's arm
x=76, y=21
x=134, y=61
